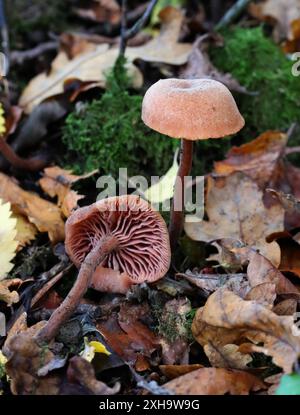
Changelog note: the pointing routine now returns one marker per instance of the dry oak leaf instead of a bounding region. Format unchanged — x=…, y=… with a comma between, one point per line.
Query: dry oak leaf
x=283, y=13
x=236, y=210
x=227, y=356
x=94, y=64
x=57, y=182
x=228, y=319
x=200, y=66
x=215, y=381
x=46, y=216
x=102, y=11
x=258, y=158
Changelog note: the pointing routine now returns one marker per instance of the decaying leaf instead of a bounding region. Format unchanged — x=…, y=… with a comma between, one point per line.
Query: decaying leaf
x=25, y=358
x=101, y=11
x=236, y=210
x=258, y=158
x=200, y=66
x=228, y=319
x=174, y=371
x=81, y=371
x=57, y=182
x=8, y=243
x=44, y=215
x=6, y=294
x=94, y=64
x=238, y=283
x=227, y=356
x=127, y=335
x=282, y=13
x=215, y=381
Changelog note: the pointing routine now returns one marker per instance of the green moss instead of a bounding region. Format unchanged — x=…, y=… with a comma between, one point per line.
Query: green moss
x=258, y=64
x=108, y=133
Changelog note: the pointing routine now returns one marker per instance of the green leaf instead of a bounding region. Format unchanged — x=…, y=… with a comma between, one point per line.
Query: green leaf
x=289, y=385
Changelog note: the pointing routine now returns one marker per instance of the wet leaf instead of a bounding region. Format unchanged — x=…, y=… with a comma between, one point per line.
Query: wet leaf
x=215, y=381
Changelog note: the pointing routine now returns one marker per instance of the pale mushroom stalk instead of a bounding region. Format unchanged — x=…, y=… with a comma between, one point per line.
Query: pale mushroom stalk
x=68, y=306
x=177, y=215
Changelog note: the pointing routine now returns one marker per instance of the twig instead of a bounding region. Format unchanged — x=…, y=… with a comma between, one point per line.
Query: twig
x=127, y=34
x=232, y=14
x=18, y=57
x=292, y=150
x=123, y=40
x=4, y=34
x=49, y=284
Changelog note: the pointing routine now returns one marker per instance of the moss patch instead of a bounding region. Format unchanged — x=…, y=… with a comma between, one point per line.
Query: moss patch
x=258, y=64
x=108, y=133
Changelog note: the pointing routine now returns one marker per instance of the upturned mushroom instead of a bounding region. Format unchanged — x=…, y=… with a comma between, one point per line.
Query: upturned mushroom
x=116, y=242
x=192, y=109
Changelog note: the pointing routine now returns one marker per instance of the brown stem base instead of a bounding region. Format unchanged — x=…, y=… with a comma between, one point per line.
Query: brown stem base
x=68, y=306
x=177, y=209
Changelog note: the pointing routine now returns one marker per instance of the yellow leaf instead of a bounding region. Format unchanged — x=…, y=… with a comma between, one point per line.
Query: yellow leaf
x=91, y=348
x=8, y=244
x=164, y=189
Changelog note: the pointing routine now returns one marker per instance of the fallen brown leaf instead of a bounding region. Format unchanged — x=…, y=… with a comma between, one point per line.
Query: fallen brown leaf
x=57, y=182
x=228, y=319
x=227, y=356
x=215, y=381
x=282, y=13
x=82, y=372
x=258, y=158
x=101, y=11
x=94, y=64
x=174, y=371
x=236, y=210
x=127, y=335
x=25, y=359
x=199, y=64
x=44, y=215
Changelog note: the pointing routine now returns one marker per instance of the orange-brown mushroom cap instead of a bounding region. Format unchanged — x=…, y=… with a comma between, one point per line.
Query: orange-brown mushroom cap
x=194, y=109
x=143, y=251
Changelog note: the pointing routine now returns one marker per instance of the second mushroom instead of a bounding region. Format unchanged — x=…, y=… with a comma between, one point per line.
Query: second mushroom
x=116, y=242
x=193, y=109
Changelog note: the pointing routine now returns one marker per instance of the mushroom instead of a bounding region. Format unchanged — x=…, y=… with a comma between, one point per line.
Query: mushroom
x=116, y=242
x=189, y=109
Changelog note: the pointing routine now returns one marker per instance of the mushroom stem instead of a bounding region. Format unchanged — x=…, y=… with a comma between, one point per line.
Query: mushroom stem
x=68, y=306
x=177, y=209
x=33, y=164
